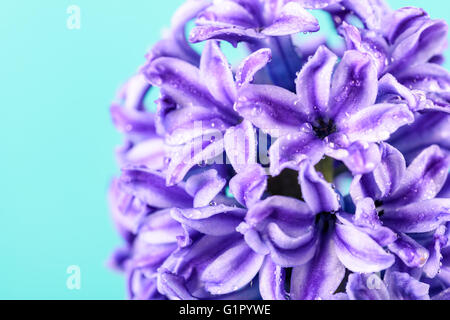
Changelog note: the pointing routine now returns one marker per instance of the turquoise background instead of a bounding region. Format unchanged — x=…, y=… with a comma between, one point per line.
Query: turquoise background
x=56, y=140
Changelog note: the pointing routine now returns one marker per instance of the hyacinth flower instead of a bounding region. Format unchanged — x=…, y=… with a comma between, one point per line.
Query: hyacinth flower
x=333, y=113
x=276, y=233
x=410, y=48
x=142, y=204
x=142, y=145
x=199, y=230
x=260, y=24
x=430, y=128
x=406, y=201
x=197, y=102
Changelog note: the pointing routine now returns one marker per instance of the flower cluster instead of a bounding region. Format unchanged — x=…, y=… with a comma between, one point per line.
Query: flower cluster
x=305, y=171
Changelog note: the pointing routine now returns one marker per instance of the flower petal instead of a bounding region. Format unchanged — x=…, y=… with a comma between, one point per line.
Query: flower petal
x=198, y=151
x=290, y=150
x=433, y=264
x=273, y=109
x=358, y=252
x=290, y=214
x=204, y=187
x=390, y=89
x=318, y=193
x=286, y=227
x=428, y=129
x=367, y=42
x=251, y=65
x=159, y=228
x=150, y=188
x=133, y=122
x=424, y=39
x=402, y=286
x=230, y=34
x=183, y=83
x=232, y=270
x=359, y=157
x=314, y=81
x=423, y=179
x=173, y=286
x=366, y=219
x=376, y=123
x=249, y=185
x=366, y=287
x=372, y=12
x=444, y=295
x=216, y=220
x=216, y=74
x=321, y=276
x=418, y=217
x=240, y=145
x=292, y=18
x=271, y=281
x=316, y=4
x=384, y=180
x=354, y=86
x=409, y=251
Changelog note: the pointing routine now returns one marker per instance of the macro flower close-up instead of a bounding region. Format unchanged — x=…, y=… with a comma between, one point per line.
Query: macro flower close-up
x=282, y=161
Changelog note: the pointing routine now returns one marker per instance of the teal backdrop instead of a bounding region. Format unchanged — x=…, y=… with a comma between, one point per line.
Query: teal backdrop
x=57, y=142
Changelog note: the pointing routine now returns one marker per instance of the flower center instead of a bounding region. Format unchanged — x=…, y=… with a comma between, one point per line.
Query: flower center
x=325, y=220
x=323, y=128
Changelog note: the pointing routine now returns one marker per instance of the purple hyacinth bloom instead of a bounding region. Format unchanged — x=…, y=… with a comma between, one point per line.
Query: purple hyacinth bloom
x=408, y=203
x=411, y=49
x=356, y=204
x=237, y=20
x=333, y=113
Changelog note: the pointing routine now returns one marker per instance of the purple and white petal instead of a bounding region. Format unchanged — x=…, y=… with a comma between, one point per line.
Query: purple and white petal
x=373, y=13
x=354, y=86
x=402, y=286
x=249, y=185
x=290, y=150
x=271, y=281
x=418, y=217
x=409, y=251
x=251, y=65
x=204, y=187
x=291, y=19
x=232, y=270
x=321, y=276
x=275, y=110
x=359, y=157
x=150, y=188
x=314, y=82
x=160, y=228
x=390, y=90
x=366, y=219
x=366, y=287
x=359, y=252
x=433, y=264
x=316, y=4
x=215, y=220
x=216, y=74
x=423, y=179
x=318, y=193
x=376, y=123
x=384, y=180
x=198, y=151
x=240, y=145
